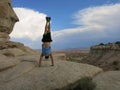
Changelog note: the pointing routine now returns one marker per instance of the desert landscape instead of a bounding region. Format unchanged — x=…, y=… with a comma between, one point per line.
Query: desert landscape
x=105, y=56
x=19, y=68
x=94, y=68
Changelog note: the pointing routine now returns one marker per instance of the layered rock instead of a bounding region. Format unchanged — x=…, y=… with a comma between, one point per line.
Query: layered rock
x=26, y=75
x=106, y=56
x=7, y=20
x=104, y=48
x=13, y=49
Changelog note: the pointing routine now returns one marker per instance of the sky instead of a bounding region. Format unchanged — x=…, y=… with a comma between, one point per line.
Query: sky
x=74, y=23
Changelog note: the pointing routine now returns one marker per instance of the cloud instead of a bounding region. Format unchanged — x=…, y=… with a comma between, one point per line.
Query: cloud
x=95, y=25
x=31, y=24
x=102, y=16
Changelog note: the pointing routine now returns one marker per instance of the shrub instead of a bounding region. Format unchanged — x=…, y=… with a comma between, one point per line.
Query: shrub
x=118, y=42
x=85, y=83
x=101, y=44
x=115, y=62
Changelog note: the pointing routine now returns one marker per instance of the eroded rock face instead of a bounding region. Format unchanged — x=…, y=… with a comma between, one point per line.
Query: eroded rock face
x=13, y=49
x=98, y=49
x=7, y=19
x=106, y=56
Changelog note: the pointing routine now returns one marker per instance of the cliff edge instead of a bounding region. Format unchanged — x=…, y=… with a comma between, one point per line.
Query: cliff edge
x=106, y=56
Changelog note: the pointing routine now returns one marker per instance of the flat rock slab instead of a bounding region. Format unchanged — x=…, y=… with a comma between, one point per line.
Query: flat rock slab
x=108, y=81
x=28, y=77
x=6, y=63
x=17, y=71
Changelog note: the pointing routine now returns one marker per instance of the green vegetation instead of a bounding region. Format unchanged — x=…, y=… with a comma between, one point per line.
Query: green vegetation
x=115, y=62
x=118, y=42
x=85, y=83
x=115, y=65
x=101, y=44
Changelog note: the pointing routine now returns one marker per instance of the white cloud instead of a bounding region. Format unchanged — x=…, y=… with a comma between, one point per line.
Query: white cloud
x=102, y=16
x=31, y=24
x=95, y=25
x=99, y=23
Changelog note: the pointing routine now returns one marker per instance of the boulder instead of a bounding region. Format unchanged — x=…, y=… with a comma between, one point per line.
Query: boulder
x=7, y=19
x=108, y=81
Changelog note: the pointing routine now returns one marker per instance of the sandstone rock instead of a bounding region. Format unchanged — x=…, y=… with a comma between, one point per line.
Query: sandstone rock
x=4, y=37
x=7, y=19
x=13, y=49
x=108, y=81
x=60, y=56
x=12, y=52
x=105, y=48
x=28, y=50
x=6, y=63
x=104, y=56
x=10, y=44
x=26, y=76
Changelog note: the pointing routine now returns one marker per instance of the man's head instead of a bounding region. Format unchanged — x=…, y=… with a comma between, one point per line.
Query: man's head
x=46, y=57
x=48, y=19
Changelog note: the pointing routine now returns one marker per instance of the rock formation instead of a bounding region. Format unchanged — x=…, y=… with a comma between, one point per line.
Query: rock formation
x=26, y=75
x=106, y=56
x=7, y=20
x=104, y=48
x=108, y=81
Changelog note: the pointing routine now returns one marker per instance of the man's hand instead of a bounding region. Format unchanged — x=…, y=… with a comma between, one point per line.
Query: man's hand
x=48, y=19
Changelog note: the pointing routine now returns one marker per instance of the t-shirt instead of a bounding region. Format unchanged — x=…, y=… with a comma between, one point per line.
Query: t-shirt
x=46, y=51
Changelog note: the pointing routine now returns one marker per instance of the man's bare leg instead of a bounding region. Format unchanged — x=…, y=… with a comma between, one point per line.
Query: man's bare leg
x=52, y=61
x=47, y=26
x=41, y=58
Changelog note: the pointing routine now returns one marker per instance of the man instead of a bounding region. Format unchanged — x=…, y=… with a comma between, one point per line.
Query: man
x=46, y=48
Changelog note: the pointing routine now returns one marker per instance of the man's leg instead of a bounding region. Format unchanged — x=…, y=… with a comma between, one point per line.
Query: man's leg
x=52, y=61
x=47, y=26
x=40, y=60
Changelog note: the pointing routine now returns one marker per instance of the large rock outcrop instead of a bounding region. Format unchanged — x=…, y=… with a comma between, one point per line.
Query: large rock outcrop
x=106, y=56
x=26, y=75
x=105, y=48
x=7, y=20
x=12, y=49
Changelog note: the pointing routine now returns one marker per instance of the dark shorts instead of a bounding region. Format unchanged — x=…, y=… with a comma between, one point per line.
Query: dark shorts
x=47, y=37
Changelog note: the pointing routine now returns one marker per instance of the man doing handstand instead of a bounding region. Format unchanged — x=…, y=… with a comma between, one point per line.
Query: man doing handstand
x=46, y=47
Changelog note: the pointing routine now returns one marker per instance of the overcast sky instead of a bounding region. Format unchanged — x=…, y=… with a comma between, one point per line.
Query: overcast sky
x=74, y=24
